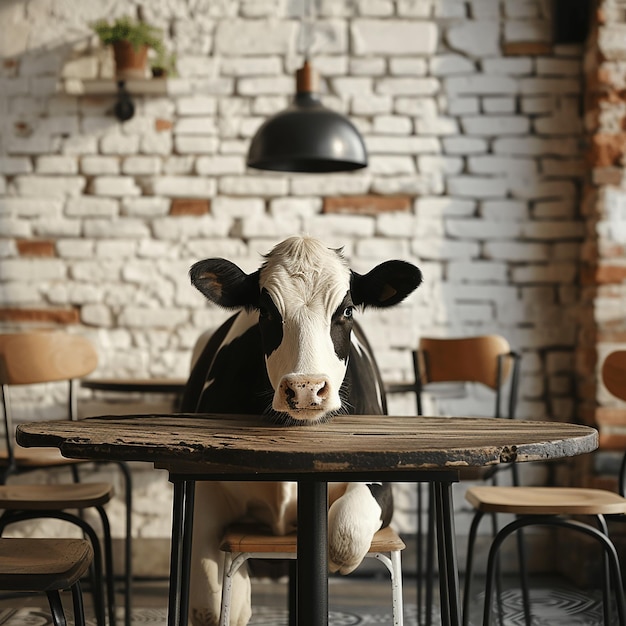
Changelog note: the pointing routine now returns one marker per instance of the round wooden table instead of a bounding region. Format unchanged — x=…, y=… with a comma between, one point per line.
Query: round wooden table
x=348, y=448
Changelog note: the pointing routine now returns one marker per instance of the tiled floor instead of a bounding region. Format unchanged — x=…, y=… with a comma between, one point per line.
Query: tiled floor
x=353, y=602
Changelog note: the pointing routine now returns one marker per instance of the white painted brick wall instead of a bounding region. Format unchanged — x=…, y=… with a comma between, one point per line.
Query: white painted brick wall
x=487, y=147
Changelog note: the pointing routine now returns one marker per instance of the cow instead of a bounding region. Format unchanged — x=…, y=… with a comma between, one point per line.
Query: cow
x=294, y=354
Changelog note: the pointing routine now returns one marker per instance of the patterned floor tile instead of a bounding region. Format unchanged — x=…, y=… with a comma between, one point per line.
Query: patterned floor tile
x=551, y=607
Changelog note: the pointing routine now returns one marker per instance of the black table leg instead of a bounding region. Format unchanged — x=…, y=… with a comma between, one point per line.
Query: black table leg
x=312, y=568
x=446, y=549
x=180, y=560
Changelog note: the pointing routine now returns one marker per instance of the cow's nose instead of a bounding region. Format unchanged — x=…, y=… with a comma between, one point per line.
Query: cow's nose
x=303, y=391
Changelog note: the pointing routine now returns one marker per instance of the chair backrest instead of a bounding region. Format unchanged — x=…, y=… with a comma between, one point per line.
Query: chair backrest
x=484, y=359
x=614, y=379
x=41, y=357
x=614, y=373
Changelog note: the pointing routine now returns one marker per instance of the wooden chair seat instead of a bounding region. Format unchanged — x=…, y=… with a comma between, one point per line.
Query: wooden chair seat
x=33, y=458
x=42, y=564
x=257, y=538
x=545, y=500
x=47, y=566
x=255, y=541
x=46, y=497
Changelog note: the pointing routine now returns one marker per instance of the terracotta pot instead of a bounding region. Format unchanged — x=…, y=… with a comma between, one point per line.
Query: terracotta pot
x=130, y=63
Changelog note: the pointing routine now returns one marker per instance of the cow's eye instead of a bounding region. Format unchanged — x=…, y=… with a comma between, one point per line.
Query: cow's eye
x=348, y=311
x=264, y=313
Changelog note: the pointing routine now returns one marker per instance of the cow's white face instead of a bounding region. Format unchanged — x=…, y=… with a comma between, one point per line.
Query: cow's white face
x=305, y=296
x=305, y=317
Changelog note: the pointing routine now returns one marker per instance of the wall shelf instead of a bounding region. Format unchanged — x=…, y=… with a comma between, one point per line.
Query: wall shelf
x=136, y=86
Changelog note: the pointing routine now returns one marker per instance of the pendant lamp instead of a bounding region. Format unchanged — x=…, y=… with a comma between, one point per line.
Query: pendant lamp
x=307, y=136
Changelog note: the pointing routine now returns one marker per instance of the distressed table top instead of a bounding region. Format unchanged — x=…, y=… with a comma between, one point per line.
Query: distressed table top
x=240, y=443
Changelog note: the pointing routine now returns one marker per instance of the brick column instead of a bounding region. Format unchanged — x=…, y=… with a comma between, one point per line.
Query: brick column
x=603, y=270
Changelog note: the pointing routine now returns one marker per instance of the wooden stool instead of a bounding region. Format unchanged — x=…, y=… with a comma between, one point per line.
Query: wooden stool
x=34, y=358
x=554, y=506
x=33, y=501
x=254, y=541
x=47, y=566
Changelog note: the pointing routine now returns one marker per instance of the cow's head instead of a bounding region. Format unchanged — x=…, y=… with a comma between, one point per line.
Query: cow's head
x=305, y=295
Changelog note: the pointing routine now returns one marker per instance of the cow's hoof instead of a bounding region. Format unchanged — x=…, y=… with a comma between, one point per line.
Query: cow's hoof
x=346, y=552
x=204, y=617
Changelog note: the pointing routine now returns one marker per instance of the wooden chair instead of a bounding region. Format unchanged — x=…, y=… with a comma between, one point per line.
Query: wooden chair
x=46, y=566
x=254, y=541
x=444, y=366
x=553, y=506
x=45, y=357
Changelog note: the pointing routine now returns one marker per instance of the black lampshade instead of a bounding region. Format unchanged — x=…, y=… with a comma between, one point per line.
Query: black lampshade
x=307, y=136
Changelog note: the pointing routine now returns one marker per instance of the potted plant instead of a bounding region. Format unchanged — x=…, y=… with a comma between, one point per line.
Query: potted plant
x=130, y=40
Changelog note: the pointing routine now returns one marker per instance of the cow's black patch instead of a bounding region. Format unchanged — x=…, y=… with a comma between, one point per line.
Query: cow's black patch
x=362, y=389
x=341, y=325
x=239, y=382
x=270, y=323
x=384, y=496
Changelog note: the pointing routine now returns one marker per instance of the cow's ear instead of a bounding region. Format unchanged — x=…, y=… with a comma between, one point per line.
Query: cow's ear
x=385, y=285
x=224, y=283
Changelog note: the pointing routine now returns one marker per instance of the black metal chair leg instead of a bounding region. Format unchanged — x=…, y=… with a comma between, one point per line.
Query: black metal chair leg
x=419, y=549
x=524, y=580
x=56, y=608
x=605, y=542
x=430, y=557
x=469, y=565
x=448, y=569
x=128, y=547
x=180, y=559
x=108, y=560
x=606, y=575
x=498, y=570
x=77, y=602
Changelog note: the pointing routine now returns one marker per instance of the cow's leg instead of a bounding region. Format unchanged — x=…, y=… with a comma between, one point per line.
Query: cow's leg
x=353, y=519
x=214, y=509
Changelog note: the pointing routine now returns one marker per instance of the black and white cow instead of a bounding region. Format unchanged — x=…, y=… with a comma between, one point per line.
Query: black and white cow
x=293, y=353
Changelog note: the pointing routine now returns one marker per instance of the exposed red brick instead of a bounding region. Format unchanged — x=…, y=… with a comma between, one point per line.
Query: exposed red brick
x=610, y=416
x=612, y=441
x=603, y=76
x=607, y=149
x=161, y=124
x=55, y=316
x=607, y=175
x=611, y=274
x=189, y=206
x=526, y=48
x=366, y=205
x=612, y=250
x=612, y=335
x=36, y=247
